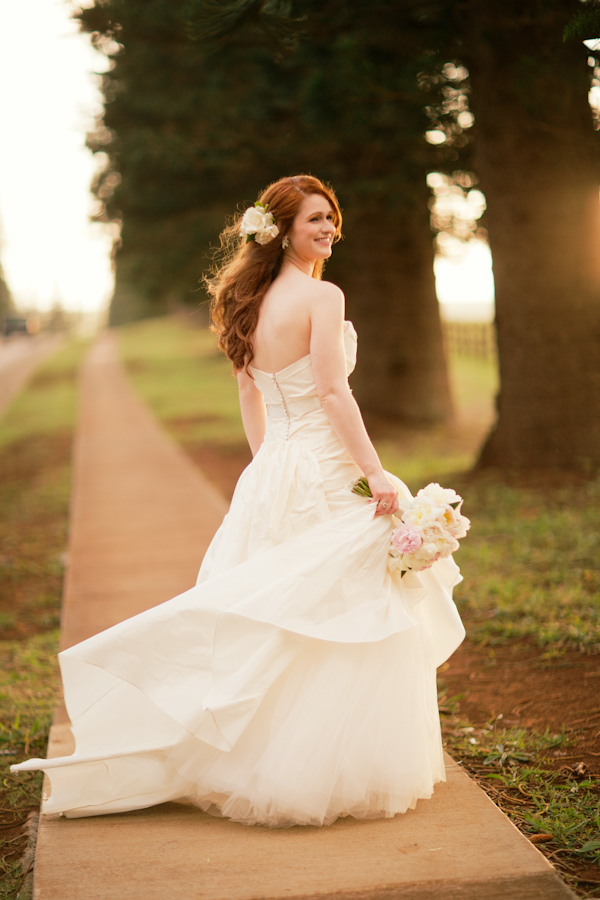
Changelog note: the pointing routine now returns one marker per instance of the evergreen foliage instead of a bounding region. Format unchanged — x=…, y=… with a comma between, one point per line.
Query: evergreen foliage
x=191, y=128
x=345, y=90
x=585, y=24
x=6, y=302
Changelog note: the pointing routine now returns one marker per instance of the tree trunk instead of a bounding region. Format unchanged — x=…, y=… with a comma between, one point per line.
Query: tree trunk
x=385, y=267
x=538, y=161
x=5, y=297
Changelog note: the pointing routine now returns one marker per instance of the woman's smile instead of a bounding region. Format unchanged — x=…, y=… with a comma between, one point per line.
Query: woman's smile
x=313, y=232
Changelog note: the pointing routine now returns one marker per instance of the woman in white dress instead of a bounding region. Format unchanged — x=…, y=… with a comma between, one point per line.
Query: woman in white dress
x=296, y=682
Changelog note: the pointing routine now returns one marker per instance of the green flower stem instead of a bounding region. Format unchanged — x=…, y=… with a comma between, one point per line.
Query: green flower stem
x=361, y=487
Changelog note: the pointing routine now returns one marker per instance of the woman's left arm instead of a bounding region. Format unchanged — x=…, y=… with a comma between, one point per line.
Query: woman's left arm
x=254, y=413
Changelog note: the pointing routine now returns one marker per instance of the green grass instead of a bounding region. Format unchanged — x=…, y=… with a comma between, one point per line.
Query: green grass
x=532, y=558
x=557, y=809
x=474, y=384
x=423, y=460
x=184, y=379
x=35, y=482
x=28, y=690
x=47, y=405
x=35, y=477
x=420, y=455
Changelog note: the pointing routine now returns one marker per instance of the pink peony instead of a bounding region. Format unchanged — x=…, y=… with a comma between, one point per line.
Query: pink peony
x=406, y=539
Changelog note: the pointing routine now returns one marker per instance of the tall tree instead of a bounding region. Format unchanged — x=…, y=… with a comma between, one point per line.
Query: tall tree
x=187, y=130
x=6, y=301
x=5, y=297
x=538, y=159
x=361, y=91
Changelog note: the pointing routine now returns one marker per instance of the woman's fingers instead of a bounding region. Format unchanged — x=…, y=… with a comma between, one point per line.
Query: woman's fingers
x=387, y=503
x=386, y=508
x=384, y=494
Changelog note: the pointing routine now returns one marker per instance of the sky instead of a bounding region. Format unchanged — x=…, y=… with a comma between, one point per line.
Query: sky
x=465, y=282
x=49, y=97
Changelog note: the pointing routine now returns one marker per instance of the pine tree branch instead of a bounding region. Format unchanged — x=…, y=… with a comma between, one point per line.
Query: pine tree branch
x=585, y=25
x=214, y=21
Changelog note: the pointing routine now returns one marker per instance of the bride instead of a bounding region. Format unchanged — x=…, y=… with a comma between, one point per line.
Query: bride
x=295, y=682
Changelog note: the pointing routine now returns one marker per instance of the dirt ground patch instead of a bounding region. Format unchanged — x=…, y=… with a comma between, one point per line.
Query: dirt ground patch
x=518, y=682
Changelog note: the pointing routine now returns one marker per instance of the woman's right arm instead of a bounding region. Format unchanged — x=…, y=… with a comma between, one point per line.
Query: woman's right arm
x=328, y=359
x=253, y=410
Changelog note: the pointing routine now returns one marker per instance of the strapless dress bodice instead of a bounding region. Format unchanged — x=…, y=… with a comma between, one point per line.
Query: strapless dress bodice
x=298, y=427
x=291, y=393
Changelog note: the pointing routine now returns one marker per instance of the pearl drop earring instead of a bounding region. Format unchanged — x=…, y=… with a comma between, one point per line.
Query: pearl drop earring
x=285, y=242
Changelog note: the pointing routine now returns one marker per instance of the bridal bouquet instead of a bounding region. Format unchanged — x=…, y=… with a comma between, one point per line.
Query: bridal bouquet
x=428, y=528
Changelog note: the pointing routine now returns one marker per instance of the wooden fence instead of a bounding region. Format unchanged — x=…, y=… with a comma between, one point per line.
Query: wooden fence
x=477, y=339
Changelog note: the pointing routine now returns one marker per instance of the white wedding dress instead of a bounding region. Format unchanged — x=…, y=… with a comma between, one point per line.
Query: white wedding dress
x=296, y=681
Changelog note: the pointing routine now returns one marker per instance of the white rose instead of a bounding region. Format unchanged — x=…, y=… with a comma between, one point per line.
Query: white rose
x=253, y=220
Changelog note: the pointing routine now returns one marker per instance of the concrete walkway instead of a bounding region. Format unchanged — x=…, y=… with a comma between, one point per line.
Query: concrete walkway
x=142, y=516
x=19, y=357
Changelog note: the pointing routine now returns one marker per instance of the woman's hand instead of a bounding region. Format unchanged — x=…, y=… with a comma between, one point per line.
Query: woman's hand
x=385, y=495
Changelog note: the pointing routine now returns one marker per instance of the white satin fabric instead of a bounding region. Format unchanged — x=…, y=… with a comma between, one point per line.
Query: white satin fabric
x=295, y=682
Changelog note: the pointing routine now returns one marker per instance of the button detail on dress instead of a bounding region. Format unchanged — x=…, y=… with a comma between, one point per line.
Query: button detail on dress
x=285, y=406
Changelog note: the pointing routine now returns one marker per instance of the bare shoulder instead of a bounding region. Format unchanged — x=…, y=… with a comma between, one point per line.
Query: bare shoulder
x=325, y=292
x=329, y=289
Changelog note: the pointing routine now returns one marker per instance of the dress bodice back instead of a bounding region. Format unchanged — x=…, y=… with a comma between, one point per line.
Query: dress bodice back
x=298, y=427
x=291, y=393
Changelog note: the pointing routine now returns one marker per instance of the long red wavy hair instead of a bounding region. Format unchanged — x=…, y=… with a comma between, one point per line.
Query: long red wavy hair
x=241, y=278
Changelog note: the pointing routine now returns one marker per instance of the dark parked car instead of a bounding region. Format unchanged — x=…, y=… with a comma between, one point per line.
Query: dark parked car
x=14, y=325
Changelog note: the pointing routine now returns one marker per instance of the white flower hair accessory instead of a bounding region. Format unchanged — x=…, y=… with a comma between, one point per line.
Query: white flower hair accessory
x=258, y=224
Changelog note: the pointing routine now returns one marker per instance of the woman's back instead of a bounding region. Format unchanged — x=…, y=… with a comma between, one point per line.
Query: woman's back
x=282, y=335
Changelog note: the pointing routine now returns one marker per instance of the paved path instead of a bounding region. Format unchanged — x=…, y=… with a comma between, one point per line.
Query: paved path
x=19, y=357
x=142, y=516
